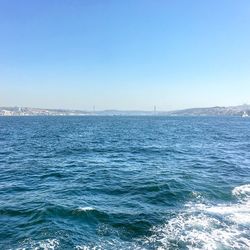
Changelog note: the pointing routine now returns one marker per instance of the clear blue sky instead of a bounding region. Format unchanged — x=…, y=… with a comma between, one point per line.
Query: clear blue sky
x=124, y=54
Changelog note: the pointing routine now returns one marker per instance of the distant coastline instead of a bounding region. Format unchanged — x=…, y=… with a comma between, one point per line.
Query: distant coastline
x=27, y=111
x=210, y=111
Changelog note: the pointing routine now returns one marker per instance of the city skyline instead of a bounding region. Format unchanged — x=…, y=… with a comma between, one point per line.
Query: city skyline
x=131, y=55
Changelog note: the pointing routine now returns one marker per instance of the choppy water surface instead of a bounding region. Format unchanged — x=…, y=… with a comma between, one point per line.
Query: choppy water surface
x=124, y=183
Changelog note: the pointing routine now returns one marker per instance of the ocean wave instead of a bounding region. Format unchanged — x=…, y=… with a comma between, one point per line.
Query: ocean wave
x=55, y=211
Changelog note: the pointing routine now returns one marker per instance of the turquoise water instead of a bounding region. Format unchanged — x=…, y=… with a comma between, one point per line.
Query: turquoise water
x=124, y=183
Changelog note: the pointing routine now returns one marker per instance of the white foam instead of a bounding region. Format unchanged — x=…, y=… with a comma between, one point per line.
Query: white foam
x=199, y=232
x=110, y=244
x=242, y=191
x=239, y=213
x=203, y=226
x=85, y=208
x=49, y=244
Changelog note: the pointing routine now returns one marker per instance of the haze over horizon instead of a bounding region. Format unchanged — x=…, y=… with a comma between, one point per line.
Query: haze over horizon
x=124, y=55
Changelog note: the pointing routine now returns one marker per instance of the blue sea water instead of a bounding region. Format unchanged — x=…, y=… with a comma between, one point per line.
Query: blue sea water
x=124, y=182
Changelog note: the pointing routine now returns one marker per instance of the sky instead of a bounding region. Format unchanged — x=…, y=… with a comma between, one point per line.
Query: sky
x=128, y=55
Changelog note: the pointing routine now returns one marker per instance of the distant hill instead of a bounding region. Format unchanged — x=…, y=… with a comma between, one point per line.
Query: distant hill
x=214, y=111
x=211, y=111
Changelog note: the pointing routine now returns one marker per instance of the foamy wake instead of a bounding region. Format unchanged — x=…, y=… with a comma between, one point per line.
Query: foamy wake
x=242, y=192
x=49, y=244
x=198, y=226
x=202, y=226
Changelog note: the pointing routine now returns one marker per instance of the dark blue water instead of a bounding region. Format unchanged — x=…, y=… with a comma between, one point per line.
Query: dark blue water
x=124, y=183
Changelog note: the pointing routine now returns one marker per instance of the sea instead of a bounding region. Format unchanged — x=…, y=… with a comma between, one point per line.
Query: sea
x=124, y=182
